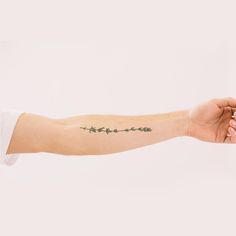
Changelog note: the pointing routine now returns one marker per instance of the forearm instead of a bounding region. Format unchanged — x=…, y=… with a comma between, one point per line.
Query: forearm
x=81, y=136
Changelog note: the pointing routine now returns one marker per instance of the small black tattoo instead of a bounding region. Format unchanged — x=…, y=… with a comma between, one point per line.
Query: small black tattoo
x=107, y=130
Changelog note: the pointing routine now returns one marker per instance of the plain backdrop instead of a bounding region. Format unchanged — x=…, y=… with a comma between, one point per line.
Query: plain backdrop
x=66, y=58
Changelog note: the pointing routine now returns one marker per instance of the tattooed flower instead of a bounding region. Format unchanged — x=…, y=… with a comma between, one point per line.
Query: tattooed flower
x=108, y=130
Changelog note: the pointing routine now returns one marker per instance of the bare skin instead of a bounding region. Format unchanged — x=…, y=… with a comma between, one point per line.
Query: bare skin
x=98, y=134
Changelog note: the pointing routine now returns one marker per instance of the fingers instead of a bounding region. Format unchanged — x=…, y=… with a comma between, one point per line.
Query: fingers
x=224, y=102
x=233, y=111
x=232, y=126
x=233, y=116
x=231, y=131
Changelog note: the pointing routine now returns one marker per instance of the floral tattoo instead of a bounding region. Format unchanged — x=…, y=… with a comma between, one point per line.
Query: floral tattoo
x=107, y=130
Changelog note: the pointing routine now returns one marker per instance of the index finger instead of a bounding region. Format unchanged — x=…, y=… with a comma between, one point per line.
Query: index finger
x=224, y=102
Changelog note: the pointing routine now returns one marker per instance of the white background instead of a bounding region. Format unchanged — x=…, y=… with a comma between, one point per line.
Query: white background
x=65, y=58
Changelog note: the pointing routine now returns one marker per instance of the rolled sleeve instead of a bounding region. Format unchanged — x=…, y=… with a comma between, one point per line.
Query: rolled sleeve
x=8, y=120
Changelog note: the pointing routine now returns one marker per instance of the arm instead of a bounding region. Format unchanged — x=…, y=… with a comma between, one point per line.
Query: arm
x=76, y=135
x=211, y=121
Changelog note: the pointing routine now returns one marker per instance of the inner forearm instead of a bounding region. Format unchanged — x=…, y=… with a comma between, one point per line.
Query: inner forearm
x=103, y=134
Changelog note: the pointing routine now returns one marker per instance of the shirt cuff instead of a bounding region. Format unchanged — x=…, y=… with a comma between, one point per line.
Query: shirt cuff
x=8, y=120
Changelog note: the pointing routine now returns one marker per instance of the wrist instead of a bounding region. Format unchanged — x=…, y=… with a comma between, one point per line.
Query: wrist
x=182, y=123
x=174, y=124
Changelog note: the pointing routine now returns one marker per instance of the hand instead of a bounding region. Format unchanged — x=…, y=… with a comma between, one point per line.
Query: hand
x=211, y=121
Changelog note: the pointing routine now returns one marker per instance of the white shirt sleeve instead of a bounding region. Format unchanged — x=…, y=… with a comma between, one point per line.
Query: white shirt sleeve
x=8, y=120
